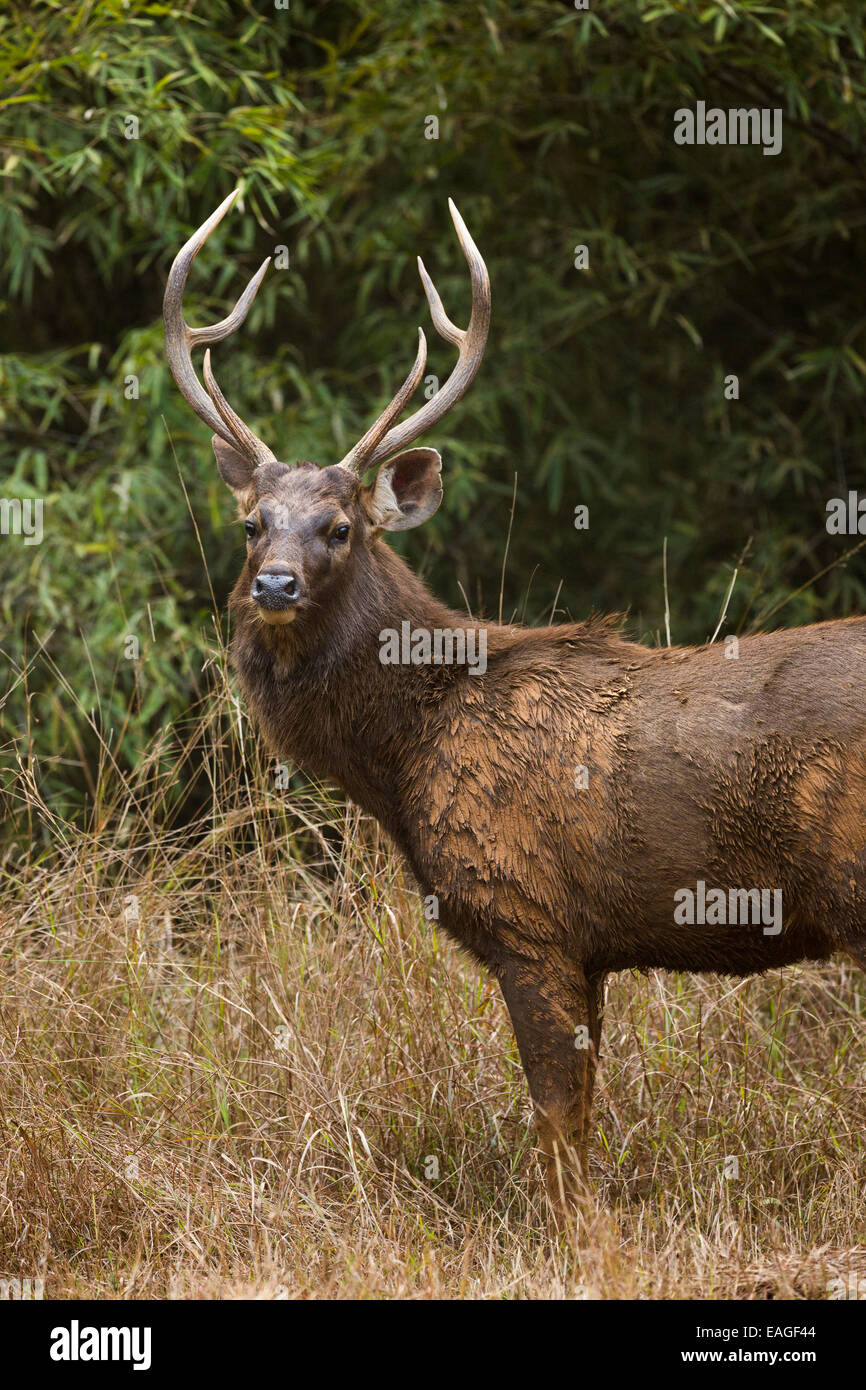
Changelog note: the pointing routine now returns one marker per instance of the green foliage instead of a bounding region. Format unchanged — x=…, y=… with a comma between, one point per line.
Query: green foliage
x=601, y=387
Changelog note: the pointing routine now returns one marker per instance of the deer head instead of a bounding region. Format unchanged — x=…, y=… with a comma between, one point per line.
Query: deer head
x=308, y=526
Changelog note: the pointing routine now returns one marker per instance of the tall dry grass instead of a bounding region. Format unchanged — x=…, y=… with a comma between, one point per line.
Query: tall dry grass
x=236, y=1060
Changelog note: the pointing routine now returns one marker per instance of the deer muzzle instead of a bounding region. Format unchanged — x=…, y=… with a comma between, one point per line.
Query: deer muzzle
x=279, y=592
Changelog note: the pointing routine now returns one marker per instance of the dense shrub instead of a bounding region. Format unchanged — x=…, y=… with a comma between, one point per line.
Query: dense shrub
x=602, y=387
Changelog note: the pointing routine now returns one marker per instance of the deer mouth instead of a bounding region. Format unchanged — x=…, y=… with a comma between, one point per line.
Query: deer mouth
x=278, y=617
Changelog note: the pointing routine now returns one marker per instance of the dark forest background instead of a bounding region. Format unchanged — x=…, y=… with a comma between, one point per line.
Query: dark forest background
x=602, y=387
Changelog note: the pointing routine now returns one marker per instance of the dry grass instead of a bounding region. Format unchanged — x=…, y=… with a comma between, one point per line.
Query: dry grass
x=237, y=1061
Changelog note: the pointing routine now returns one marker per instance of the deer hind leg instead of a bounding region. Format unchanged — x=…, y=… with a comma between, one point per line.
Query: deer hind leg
x=595, y=998
x=556, y=1012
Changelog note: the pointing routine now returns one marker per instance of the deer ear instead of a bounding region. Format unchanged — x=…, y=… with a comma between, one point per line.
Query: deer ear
x=406, y=491
x=235, y=471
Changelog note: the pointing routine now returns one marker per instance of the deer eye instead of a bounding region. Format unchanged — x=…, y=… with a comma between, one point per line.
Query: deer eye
x=251, y=528
x=341, y=535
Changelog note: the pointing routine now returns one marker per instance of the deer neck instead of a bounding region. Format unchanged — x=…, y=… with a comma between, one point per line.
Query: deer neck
x=323, y=696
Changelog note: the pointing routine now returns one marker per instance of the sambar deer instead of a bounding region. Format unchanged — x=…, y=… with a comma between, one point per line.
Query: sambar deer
x=566, y=804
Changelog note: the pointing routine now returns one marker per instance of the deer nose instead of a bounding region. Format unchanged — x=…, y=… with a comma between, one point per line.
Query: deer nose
x=276, y=588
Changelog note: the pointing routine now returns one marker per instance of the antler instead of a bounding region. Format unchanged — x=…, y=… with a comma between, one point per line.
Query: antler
x=180, y=339
x=380, y=442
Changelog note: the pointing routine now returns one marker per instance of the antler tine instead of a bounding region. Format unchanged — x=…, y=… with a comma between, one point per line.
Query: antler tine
x=441, y=322
x=356, y=459
x=180, y=339
x=242, y=435
x=376, y=445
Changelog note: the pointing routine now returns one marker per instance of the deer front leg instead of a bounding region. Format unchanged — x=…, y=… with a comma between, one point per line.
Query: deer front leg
x=556, y=1012
x=857, y=951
